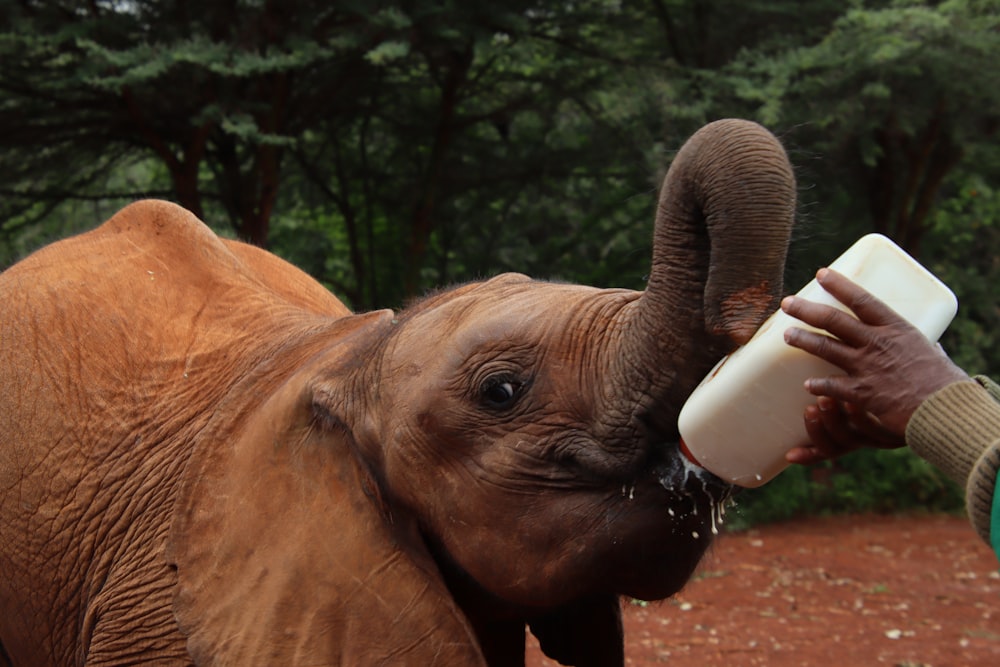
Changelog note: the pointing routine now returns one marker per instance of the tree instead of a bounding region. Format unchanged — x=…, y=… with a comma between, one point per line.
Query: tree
x=407, y=144
x=217, y=91
x=897, y=93
x=463, y=130
x=385, y=112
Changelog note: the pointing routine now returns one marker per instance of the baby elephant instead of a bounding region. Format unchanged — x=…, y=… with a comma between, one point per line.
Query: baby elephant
x=206, y=459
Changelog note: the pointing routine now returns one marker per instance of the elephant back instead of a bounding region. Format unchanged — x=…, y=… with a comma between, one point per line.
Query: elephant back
x=116, y=346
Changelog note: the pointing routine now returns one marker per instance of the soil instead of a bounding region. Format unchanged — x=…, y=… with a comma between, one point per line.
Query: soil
x=903, y=591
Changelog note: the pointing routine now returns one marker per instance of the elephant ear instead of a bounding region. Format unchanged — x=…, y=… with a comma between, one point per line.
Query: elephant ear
x=282, y=551
x=587, y=633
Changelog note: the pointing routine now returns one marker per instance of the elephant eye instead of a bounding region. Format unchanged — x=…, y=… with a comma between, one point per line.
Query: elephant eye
x=500, y=393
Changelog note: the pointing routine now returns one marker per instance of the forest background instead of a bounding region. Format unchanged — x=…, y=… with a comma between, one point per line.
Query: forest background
x=388, y=148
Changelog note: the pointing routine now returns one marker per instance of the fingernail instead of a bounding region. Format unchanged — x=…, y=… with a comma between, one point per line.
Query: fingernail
x=786, y=303
x=821, y=274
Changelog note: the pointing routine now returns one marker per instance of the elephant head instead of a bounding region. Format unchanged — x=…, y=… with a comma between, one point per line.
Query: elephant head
x=522, y=434
x=325, y=487
x=542, y=416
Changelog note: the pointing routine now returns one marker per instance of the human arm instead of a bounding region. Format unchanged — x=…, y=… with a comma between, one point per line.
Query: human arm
x=957, y=429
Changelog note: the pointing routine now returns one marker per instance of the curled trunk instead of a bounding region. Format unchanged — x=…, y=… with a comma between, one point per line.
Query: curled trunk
x=722, y=229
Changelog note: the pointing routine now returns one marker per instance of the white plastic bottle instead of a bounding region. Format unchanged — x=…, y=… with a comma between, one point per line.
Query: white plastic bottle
x=747, y=413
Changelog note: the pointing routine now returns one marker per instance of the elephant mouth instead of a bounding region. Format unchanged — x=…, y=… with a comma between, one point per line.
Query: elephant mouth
x=694, y=488
x=680, y=471
x=681, y=508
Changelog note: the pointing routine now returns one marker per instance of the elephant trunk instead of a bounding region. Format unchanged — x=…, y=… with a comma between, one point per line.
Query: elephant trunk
x=723, y=225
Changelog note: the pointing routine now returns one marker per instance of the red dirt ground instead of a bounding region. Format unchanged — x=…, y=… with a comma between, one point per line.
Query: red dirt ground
x=903, y=591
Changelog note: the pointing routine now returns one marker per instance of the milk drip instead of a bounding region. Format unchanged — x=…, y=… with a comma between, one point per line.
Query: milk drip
x=747, y=413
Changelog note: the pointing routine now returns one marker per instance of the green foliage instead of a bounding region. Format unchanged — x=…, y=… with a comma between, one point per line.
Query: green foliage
x=962, y=252
x=21, y=234
x=388, y=148
x=876, y=481
x=895, y=94
x=509, y=144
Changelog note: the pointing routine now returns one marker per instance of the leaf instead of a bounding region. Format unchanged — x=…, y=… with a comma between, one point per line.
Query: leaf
x=387, y=52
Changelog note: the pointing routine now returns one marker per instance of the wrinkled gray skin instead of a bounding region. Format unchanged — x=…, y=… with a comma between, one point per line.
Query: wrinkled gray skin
x=205, y=458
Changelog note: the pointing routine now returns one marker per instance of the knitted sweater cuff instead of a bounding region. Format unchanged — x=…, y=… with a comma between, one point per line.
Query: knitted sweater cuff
x=957, y=429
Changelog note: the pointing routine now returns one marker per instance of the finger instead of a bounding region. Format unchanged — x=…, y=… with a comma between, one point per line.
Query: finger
x=821, y=445
x=806, y=455
x=819, y=448
x=836, y=425
x=870, y=429
x=840, y=421
x=821, y=316
x=868, y=308
x=820, y=345
x=838, y=387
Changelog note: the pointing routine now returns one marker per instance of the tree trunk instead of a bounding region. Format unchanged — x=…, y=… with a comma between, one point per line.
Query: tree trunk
x=422, y=223
x=908, y=176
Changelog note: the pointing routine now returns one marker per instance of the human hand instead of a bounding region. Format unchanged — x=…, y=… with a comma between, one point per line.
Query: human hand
x=890, y=367
x=836, y=429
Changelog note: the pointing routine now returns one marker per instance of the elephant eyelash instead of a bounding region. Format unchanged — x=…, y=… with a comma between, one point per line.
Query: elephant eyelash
x=501, y=392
